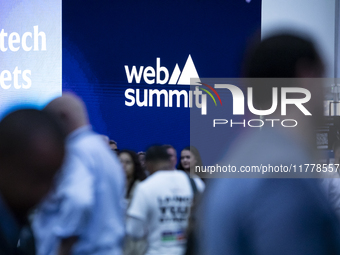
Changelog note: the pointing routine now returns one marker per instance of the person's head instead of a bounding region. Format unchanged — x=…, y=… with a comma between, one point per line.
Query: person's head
x=70, y=110
x=31, y=152
x=113, y=145
x=141, y=157
x=286, y=56
x=132, y=167
x=131, y=164
x=157, y=158
x=283, y=56
x=190, y=157
x=173, y=154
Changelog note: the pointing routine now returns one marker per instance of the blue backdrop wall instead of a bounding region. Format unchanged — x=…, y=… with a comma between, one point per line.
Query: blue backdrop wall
x=100, y=38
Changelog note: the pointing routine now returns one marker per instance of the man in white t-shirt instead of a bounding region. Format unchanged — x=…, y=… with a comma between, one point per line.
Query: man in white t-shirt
x=161, y=205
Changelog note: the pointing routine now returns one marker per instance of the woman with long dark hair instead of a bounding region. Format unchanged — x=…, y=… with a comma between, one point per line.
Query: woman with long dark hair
x=190, y=157
x=133, y=170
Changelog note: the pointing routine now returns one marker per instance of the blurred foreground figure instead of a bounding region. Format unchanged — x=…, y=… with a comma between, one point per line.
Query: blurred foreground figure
x=31, y=152
x=84, y=214
x=161, y=205
x=273, y=216
x=331, y=181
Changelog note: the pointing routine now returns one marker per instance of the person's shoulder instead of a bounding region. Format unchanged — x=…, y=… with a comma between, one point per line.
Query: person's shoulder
x=198, y=181
x=159, y=178
x=89, y=144
x=85, y=136
x=92, y=140
x=199, y=184
x=152, y=179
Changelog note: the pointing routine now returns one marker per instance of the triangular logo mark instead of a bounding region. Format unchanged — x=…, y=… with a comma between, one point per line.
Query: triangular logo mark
x=189, y=71
x=175, y=75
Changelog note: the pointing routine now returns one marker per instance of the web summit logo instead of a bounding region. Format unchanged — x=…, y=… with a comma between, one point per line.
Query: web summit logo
x=153, y=76
x=167, y=97
x=159, y=76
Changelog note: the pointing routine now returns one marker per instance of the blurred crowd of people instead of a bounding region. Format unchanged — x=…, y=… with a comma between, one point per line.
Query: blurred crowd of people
x=66, y=190
x=91, y=198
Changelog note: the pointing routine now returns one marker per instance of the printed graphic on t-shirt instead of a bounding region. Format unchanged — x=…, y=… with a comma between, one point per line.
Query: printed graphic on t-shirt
x=169, y=236
x=174, y=209
x=174, y=213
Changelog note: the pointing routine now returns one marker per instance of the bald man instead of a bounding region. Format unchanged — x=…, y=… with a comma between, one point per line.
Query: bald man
x=31, y=152
x=85, y=214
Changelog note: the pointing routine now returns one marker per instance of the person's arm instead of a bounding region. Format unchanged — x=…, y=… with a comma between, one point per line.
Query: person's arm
x=136, y=221
x=76, y=205
x=135, y=228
